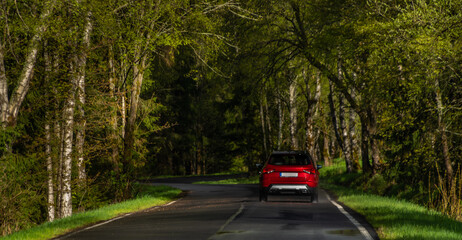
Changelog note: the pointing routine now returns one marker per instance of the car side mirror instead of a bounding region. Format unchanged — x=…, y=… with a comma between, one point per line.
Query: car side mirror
x=319, y=166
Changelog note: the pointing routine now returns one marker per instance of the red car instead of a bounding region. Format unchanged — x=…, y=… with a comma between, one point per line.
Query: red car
x=289, y=172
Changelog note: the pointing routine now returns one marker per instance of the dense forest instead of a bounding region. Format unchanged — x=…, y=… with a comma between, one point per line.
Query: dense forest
x=97, y=94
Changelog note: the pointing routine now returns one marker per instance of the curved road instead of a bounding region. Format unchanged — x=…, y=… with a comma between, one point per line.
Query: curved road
x=231, y=212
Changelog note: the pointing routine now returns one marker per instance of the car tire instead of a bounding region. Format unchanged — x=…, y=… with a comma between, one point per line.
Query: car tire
x=263, y=195
x=314, y=196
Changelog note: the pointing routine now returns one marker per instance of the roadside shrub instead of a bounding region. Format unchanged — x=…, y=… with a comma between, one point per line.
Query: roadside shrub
x=376, y=184
x=21, y=193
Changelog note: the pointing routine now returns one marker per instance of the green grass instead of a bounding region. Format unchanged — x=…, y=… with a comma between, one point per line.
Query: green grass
x=250, y=180
x=150, y=196
x=392, y=218
x=398, y=219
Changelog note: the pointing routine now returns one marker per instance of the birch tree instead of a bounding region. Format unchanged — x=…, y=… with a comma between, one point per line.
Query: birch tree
x=293, y=84
x=312, y=101
x=10, y=105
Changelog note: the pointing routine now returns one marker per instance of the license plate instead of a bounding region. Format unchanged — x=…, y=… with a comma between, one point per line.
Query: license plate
x=288, y=174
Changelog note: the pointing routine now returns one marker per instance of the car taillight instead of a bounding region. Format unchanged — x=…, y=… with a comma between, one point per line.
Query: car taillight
x=267, y=171
x=309, y=172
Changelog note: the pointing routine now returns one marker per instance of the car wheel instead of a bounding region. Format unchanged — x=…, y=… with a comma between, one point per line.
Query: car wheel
x=263, y=195
x=314, y=196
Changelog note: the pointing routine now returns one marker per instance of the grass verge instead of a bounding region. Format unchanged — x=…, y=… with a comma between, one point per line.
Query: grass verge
x=249, y=180
x=398, y=219
x=149, y=196
x=391, y=217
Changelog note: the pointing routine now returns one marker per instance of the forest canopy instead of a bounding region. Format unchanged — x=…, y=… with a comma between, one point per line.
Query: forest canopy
x=95, y=95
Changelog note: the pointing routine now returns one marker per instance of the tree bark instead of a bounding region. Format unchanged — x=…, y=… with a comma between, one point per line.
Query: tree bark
x=138, y=73
x=353, y=142
x=50, y=184
x=81, y=121
x=3, y=90
x=10, y=108
x=48, y=152
x=333, y=115
x=263, y=128
x=293, y=113
x=268, y=123
x=114, y=133
x=68, y=116
x=367, y=168
x=281, y=120
x=373, y=140
x=312, y=100
x=442, y=131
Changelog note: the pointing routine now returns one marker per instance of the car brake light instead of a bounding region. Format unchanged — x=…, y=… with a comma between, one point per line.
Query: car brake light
x=267, y=171
x=309, y=172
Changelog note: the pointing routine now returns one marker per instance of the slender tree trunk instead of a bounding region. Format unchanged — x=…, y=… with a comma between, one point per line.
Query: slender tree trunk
x=48, y=151
x=123, y=113
x=263, y=128
x=325, y=135
x=374, y=142
x=3, y=90
x=66, y=194
x=325, y=150
x=293, y=113
x=68, y=116
x=138, y=73
x=353, y=142
x=10, y=108
x=342, y=123
x=333, y=115
x=442, y=131
x=268, y=123
x=81, y=121
x=114, y=134
x=50, y=184
x=367, y=168
x=281, y=121
x=312, y=101
x=59, y=176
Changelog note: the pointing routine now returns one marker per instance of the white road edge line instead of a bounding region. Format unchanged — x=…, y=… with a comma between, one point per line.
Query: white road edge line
x=111, y=220
x=231, y=218
x=358, y=225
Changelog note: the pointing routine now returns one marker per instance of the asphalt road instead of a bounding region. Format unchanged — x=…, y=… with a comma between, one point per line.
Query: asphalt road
x=231, y=212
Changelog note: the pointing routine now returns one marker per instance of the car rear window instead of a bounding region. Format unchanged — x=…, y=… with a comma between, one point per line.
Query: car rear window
x=294, y=159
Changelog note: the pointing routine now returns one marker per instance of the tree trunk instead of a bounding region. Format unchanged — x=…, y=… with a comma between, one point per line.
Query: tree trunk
x=3, y=90
x=263, y=128
x=81, y=121
x=50, y=184
x=66, y=194
x=442, y=131
x=138, y=73
x=268, y=123
x=374, y=144
x=312, y=101
x=341, y=116
x=123, y=113
x=344, y=138
x=293, y=113
x=48, y=152
x=333, y=115
x=10, y=108
x=367, y=168
x=281, y=121
x=114, y=134
x=353, y=142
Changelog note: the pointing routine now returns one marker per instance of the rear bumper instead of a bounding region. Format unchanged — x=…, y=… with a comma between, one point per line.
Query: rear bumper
x=290, y=188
